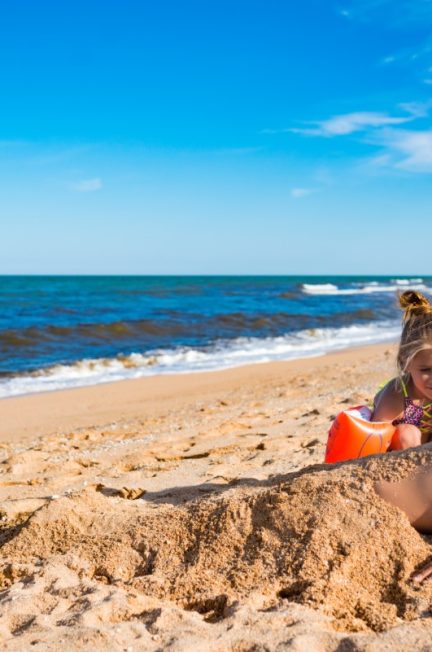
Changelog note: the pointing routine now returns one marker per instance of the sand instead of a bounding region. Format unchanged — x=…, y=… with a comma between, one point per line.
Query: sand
x=193, y=512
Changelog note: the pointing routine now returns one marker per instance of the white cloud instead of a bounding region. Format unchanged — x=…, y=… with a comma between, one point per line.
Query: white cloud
x=416, y=56
x=412, y=150
x=402, y=150
x=416, y=109
x=297, y=193
x=379, y=161
x=400, y=15
x=342, y=125
x=88, y=185
x=392, y=14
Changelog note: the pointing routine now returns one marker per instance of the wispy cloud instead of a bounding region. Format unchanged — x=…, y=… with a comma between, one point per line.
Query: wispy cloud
x=403, y=16
x=417, y=109
x=348, y=123
x=377, y=162
x=358, y=121
x=88, y=185
x=418, y=55
x=407, y=150
x=396, y=14
x=400, y=148
x=298, y=193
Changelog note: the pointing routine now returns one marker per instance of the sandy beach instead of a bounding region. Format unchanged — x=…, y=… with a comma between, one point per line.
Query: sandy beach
x=193, y=512
x=215, y=222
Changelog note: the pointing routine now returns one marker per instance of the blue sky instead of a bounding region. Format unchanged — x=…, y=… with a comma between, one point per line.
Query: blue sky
x=260, y=137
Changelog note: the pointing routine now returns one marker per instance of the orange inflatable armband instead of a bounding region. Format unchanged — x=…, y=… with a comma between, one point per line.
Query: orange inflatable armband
x=353, y=435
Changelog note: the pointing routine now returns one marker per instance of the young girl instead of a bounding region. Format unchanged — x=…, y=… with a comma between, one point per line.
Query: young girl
x=407, y=399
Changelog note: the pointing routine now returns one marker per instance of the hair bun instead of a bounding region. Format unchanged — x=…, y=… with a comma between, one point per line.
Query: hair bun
x=414, y=303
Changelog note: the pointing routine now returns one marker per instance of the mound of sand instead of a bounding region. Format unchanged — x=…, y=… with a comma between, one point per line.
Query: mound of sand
x=319, y=538
x=191, y=514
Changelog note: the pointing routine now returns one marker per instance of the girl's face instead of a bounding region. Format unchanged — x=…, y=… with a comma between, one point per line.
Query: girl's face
x=421, y=373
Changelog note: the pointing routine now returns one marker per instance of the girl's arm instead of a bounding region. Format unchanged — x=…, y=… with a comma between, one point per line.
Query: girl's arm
x=388, y=403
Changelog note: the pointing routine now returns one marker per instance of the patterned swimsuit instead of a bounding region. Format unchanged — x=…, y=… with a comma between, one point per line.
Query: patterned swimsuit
x=416, y=415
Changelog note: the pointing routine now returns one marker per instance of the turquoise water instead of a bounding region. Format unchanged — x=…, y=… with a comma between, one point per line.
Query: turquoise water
x=66, y=331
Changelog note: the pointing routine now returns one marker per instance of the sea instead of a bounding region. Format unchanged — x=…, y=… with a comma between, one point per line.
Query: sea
x=67, y=331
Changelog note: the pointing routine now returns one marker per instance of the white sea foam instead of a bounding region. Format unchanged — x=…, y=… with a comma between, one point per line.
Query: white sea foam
x=369, y=288
x=320, y=288
x=407, y=281
x=221, y=355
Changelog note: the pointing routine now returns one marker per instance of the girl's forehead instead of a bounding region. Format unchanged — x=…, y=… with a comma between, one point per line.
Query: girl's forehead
x=423, y=356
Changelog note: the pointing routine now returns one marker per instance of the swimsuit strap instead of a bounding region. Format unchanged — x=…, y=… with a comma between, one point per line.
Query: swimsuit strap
x=426, y=406
x=404, y=387
x=426, y=424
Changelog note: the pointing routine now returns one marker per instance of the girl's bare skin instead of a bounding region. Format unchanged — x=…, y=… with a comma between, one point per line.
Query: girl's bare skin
x=406, y=401
x=414, y=497
x=389, y=402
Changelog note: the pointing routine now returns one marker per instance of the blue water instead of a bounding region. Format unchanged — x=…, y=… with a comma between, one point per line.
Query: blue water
x=49, y=325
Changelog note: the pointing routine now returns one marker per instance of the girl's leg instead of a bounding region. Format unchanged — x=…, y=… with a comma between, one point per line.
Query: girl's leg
x=406, y=436
x=413, y=496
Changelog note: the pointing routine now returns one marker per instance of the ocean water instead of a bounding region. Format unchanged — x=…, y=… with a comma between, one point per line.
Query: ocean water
x=58, y=332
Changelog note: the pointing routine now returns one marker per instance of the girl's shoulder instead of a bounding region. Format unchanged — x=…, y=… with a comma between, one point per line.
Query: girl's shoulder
x=389, y=402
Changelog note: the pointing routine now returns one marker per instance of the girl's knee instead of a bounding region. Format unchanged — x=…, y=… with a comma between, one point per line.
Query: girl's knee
x=406, y=436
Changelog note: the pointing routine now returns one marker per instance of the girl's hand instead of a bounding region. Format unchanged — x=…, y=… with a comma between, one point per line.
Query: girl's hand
x=422, y=575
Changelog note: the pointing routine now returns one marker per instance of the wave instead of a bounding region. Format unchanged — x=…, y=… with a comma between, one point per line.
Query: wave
x=319, y=288
x=407, y=281
x=30, y=337
x=220, y=355
x=369, y=288
x=228, y=324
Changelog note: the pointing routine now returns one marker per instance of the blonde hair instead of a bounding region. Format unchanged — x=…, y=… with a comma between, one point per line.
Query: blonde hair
x=417, y=329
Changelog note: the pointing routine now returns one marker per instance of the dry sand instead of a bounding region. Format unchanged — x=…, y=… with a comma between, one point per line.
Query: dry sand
x=194, y=513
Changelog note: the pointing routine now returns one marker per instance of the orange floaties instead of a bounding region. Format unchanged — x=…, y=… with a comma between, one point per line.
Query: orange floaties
x=353, y=435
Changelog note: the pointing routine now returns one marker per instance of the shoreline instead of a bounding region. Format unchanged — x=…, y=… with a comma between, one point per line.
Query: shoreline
x=50, y=412
x=89, y=371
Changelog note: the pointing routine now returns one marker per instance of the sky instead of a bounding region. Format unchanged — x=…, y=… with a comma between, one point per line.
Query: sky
x=216, y=137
